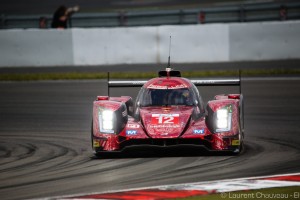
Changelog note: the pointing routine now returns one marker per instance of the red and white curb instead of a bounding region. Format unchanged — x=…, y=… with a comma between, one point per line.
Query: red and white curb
x=197, y=189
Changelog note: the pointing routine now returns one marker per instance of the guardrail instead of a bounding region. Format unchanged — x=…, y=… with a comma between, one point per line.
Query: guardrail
x=226, y=14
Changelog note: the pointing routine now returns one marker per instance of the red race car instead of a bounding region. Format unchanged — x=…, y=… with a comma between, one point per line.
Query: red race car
x=168, y=111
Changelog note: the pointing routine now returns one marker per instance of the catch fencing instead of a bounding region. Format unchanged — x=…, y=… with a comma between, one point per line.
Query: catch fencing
x=223, y=14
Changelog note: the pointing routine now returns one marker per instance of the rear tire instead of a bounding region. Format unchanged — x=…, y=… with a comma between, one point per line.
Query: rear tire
x=92, y=136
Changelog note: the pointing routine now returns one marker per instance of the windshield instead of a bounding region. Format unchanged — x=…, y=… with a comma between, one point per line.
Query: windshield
x=166, y=97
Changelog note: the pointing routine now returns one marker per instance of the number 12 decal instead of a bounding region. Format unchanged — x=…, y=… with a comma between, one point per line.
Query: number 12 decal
x=165, y=119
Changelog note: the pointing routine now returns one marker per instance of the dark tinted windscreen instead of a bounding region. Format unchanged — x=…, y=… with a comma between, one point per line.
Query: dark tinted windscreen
x=165, y=97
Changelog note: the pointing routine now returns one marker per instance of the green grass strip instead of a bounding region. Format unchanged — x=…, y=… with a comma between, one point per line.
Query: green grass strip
x=138, y=75
x=262, y=194
x=270, y=72
x=51, y=76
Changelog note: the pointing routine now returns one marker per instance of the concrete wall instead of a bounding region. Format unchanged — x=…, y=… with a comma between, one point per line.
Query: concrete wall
x=194, y=43
x=36, y=47
x=114, y=45
x=265, y=41
x=190, y=44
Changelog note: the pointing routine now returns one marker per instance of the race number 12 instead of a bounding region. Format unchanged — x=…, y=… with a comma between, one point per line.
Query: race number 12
x=165, y=119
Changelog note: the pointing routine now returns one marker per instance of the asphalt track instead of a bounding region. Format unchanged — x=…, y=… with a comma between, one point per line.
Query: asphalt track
x=45, y=141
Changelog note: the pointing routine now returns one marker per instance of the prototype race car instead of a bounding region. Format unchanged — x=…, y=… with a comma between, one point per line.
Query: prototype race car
x=168, y=111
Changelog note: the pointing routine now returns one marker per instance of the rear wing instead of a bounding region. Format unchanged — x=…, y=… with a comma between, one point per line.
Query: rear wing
x=197, y=82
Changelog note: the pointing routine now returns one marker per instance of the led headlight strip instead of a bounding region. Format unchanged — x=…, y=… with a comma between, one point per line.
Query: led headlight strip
x=223, y=119
x=106, y=121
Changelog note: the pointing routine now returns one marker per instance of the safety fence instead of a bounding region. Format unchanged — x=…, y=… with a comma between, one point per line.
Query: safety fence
x=225, y=14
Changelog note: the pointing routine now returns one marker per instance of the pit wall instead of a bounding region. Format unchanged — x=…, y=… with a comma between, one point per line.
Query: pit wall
x=150, y=45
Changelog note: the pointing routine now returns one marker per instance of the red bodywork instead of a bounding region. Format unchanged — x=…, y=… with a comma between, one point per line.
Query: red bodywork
x=168, y=125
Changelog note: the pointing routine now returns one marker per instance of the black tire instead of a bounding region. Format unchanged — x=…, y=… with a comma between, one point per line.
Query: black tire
x=92, y=135
x=241, y=115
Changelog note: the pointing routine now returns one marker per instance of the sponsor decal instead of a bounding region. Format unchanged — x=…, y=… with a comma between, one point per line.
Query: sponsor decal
x=131, y=132
x=157, y=86
x=235, y=142
x=96, y=143
x=170, y=126
x=133, y=126
x=199, y=131
x=162, y=87
x=178, y=86
x=164, y=126
x=165, y=119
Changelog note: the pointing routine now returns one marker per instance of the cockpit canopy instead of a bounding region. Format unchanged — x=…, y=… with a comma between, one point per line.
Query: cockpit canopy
x=170, y=91
x=166, y=97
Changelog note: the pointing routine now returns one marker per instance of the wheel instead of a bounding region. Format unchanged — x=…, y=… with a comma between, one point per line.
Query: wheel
x=92, y=135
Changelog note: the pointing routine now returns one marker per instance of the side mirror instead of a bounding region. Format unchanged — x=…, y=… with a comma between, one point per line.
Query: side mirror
x=137, y=116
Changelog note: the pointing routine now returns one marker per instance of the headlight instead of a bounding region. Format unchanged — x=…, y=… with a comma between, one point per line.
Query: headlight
x=223, y=120
x=106, y=121
x=107, y=115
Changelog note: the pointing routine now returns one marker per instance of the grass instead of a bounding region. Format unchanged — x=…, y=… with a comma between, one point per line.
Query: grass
x=262, y=194
x=138, y=75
